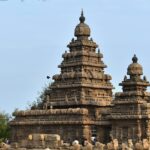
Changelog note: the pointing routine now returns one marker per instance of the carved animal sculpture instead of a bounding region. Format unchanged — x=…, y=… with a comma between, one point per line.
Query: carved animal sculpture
x=124, y=146
x=130, y=144
x=4, y=146
x=99, y=146
x=76, y=147
x=88, y=146
x=138, y=146
x=146, y=145
x=47, y=149
x=113, y=145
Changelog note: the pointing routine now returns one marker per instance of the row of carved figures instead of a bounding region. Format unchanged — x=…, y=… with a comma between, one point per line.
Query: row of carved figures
x=113, y=145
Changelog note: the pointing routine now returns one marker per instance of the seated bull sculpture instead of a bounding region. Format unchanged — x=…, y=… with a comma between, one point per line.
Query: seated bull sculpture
x=99, y=146
x=87, y=146
x=113, y=145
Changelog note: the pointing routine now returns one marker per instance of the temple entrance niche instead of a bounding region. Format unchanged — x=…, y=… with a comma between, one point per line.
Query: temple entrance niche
x=103, y=134
x=107, y=131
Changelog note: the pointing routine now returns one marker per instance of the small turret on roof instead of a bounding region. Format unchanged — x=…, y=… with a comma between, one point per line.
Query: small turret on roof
x=134, y=82
x=135, y=68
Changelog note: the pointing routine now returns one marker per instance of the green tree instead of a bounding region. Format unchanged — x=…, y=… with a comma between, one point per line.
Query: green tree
x=41, y=99
x=4, y=127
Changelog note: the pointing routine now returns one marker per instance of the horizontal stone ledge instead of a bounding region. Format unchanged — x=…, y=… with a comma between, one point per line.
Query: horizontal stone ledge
x=132, y=93
x=116, y=117
x=128, y=101
x=82, y=53
x=13, y=123
x=82, y=43
x=82, y=63
x=82, y=85
x=76, y=111
x=100, y=103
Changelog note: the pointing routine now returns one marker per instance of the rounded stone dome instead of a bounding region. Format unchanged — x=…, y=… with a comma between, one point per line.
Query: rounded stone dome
x=82, y=29
x=135, y=68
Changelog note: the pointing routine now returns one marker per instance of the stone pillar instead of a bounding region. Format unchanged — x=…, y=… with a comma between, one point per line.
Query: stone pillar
x=148, y=129
x=115, y=133
x=139, y=132
x=129, y=133
x=87, y=132
x=118, y=132
x=121, y=134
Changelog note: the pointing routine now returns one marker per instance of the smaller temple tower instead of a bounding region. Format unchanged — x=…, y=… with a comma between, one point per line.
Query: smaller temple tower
x=130, y=113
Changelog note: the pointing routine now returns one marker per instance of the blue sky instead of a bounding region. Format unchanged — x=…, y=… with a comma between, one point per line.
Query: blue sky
x=34, y=34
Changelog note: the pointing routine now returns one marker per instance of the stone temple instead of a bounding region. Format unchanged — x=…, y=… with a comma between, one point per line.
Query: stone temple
x=79, y=103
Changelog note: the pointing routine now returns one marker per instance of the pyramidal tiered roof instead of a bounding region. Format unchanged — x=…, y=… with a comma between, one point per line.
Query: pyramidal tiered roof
x=82, y=79
x=134, y=91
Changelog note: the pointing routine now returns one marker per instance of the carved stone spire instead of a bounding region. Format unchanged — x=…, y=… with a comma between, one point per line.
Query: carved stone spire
x=135, y=59
x=82, y=18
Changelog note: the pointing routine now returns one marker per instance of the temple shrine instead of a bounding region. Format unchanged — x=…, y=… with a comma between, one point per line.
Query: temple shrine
x=79, y=103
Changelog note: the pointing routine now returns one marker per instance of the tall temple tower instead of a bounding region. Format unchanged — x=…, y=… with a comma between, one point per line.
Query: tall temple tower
x=130, y=114
x=77, y=102
x=82, y=81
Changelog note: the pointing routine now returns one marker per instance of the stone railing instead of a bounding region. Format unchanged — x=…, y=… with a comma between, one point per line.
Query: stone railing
x=54, y=142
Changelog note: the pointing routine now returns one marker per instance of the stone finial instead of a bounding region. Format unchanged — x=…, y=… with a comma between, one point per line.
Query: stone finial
x=135, y=59
x=82, y=18
x=144, y=78
x=72, y=40
x=125, y=78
